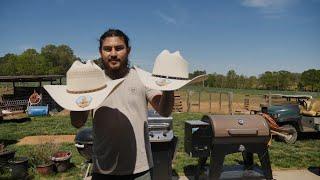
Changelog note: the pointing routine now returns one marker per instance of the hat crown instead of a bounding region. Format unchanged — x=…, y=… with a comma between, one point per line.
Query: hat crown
x=171, y=65
x=85, y=77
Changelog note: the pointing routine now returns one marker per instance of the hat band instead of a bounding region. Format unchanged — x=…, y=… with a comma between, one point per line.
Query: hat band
x=169, y=77
x=87, y=91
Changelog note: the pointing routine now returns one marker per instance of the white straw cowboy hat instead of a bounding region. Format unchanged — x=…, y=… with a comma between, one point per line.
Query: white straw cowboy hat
x=86, y=87
x=170, y=72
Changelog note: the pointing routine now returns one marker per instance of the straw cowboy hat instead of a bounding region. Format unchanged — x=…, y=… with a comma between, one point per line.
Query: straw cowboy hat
x=86, y=87
x=170, y=72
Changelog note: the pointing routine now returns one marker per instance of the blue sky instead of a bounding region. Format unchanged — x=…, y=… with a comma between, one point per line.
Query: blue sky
x=249, y=36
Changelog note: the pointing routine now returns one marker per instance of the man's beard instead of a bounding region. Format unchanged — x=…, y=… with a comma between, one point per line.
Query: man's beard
x=116, y=73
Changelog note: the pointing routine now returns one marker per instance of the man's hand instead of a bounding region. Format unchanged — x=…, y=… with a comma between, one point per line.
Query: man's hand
x=79, y=118
x=163, y=104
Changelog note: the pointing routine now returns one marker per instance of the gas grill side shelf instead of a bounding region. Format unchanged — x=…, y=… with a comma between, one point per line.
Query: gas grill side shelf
x=158, y=125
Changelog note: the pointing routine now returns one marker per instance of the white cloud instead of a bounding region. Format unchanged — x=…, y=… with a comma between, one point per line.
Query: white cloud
x=256, y=3
x=267, y=3
x=167, y=19
x=270, y=8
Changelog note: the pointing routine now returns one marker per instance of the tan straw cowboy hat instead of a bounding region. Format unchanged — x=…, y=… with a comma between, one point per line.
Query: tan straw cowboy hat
x=86, y=87
x=170, y=72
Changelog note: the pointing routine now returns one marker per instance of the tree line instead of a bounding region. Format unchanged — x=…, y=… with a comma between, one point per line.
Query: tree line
x=54, y=59
x=308, y=80
x=51, y=59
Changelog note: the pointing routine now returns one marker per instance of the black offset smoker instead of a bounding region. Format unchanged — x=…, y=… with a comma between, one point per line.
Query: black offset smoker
x=219, y=135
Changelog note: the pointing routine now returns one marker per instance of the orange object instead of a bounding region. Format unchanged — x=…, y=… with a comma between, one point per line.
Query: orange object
x=273, y=125
x=35, y=98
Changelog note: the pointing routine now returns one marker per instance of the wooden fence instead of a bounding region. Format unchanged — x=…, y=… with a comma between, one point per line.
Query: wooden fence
x=216, y=102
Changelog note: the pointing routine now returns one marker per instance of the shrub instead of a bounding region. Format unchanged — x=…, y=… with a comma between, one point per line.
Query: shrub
x=41, y=154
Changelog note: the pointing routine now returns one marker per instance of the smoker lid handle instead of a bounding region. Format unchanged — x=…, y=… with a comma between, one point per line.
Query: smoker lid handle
x=79, y=145
x=160, y=125
x=242, y=132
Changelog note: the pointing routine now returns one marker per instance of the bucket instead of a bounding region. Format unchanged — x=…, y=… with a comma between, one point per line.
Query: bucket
x=61, y=160
x=46, y=169
x=38, y=110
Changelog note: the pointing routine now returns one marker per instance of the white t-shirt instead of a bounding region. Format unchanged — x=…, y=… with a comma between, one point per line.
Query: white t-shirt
x=121, y=139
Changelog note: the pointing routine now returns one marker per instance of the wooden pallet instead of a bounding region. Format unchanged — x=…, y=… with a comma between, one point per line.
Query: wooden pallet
x=246, y=102
x=177, y=107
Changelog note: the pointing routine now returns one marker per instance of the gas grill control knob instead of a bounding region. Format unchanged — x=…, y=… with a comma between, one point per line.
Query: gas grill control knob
x=151, y=134
x=241, y=148
x=241, y=121
x=165, y=134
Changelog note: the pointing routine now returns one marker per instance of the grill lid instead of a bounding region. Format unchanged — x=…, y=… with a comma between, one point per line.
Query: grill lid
x=84, y=136
x=237, y=125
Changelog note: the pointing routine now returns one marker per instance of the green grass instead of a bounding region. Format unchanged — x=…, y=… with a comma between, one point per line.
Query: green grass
x=37, y=126
x=303, y=154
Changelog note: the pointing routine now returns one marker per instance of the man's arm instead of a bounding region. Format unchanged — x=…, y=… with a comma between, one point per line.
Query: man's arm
x=78, y=118
x=163, y=104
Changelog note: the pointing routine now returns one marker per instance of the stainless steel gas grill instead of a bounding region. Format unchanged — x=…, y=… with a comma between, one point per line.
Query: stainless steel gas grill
x=163, y=145
x=160, y=128
x=162, y=139
x=229, y=134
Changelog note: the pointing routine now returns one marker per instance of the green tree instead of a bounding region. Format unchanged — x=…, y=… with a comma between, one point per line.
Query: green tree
x=241, y=82
x=7, y=64
x=30, y=62
x=285, y=80
x=231, y=79
x=59, y=58
x=310, y=79
x=212, y=80
x=221, y=81
x=52, y=60
x=296, y=81
x=196, y=73
x=252, y=82
x=268, y=80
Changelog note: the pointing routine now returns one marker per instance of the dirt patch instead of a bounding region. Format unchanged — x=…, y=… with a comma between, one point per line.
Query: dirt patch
x=32, y=140
x=61, y=113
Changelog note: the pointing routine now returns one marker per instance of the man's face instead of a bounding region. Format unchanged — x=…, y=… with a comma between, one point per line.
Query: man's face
x=114, y=53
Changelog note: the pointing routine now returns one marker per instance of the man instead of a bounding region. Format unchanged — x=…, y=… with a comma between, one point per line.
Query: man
x=121, y=148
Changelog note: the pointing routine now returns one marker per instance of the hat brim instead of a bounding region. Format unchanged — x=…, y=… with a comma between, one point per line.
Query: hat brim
x=70, y=101
x=172, y=84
